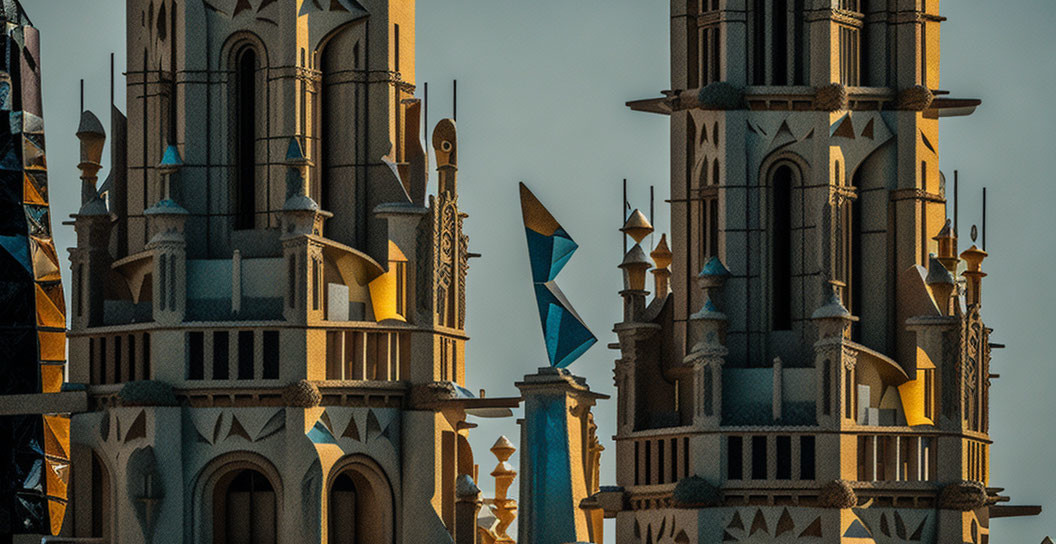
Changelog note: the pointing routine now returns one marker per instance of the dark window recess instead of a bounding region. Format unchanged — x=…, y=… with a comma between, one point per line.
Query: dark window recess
x=246, y=119
x=146, y=356
x=734, y=458
x=799, y=44
x=103, y=362
x=221, y=341
x=396, y=47
x=118, y=362
x=245, y=355
x=660, y=461
x=781, y=232
x=784, y=458
x=648, y=463
x=759, y=458
x=195, y=355
x=93, y=363
x=759, y=42
x=685, y=456
x=271, y=355
x=131, y=358
x=779, y=62
x=806, y=458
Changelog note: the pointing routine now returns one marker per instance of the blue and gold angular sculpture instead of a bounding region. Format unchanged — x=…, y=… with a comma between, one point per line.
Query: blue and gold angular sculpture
x=34, y=461
x=549, y=249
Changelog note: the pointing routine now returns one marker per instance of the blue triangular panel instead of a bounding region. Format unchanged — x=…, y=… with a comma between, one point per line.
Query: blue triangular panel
x=320, y=434
x=18, y=247
x=857, y=530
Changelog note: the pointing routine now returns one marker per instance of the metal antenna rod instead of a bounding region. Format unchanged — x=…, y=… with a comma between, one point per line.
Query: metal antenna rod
x=82, y=96
x=454, y=99
x=956, y=201
x=984, y=218
x=426, y=111
x=623, y=215
x=652, y=221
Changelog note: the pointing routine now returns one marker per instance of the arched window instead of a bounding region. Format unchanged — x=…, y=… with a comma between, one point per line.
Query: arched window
x=339, y=131
x=246, y=138
x=360, y=505
x=101, y=499
x=245, y=509
x=781, y=248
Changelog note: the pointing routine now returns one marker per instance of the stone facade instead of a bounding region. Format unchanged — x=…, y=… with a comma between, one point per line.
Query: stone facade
x=818, y=368
x=269, y=309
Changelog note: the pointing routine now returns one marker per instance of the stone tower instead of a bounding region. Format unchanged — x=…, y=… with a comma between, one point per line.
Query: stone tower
x=268, y=309
x=817, y=368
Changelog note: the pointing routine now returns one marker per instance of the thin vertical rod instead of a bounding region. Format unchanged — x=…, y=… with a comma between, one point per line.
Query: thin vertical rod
x=652, y=221
x=984, y=218
x=652, y=193
x=426, y=111
x=956, y=201
x=82, y=96
x=454, y=99
x=623, y=214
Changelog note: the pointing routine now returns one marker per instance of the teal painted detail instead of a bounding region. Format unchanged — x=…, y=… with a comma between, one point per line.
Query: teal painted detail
x=549, y=515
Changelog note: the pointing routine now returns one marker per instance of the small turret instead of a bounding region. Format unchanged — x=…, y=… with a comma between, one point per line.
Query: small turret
x=92, y=136
x=947, y=247
x=974, y=257
x=941, y=283
x=662, y=258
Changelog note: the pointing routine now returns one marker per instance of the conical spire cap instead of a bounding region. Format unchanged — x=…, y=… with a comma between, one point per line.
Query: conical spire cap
x=661, y=255
x=637, y=226
x=937, y=273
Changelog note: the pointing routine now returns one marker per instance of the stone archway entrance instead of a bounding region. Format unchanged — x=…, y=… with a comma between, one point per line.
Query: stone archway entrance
x=361, y=508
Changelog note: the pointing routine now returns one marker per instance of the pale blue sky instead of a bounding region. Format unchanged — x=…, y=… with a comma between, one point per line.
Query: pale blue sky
x=541, y=91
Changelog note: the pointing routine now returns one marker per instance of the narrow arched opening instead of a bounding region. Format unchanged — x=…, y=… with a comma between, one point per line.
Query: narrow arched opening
x=101, y=506
x=246, y=65
x=781, y=247
x=360, y=508
x=244, y=509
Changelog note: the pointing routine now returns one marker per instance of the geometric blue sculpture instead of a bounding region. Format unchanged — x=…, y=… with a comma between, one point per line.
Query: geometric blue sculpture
x=549, y=249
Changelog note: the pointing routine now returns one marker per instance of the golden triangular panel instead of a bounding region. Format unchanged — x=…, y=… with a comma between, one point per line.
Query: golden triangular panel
x=30, y=194
x=57, y=478
x=50, y=313
x=51, y=378
x=52, y=346
x=57, y=436
x=45, y=260
x=56, y=513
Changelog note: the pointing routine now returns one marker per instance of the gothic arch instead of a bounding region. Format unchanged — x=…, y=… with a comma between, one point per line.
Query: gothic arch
x=340, y=131
x=783, y=177
x=96, y=518
x=214, y=477
x=360, y=505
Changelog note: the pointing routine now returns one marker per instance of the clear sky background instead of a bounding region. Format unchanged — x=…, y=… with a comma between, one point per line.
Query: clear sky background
x=541, y=91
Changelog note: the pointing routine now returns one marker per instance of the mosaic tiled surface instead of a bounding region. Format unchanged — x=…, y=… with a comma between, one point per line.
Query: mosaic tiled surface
x=35, y=471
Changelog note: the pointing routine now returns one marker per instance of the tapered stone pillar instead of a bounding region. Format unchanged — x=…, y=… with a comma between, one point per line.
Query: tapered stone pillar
x=555, y=467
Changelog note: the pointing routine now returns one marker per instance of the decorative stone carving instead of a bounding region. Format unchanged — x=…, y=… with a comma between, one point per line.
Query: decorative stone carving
x=301, y=394
x=837, y=494
x=915, y=98
x=831, y=97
